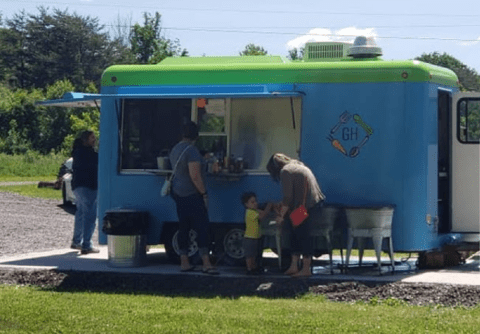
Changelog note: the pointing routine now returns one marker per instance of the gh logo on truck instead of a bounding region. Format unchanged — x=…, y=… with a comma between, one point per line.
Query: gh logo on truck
x=350, y=132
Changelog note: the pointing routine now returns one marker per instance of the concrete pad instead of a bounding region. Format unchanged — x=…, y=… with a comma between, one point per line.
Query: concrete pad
x=465, y=274
x=458, y=278
x=157, y=263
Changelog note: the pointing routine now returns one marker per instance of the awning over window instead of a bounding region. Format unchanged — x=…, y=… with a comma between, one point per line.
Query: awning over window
x=222, y=91
x=73, y=99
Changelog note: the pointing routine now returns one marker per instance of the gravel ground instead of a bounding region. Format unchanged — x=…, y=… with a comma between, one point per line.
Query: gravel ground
x=32, y=225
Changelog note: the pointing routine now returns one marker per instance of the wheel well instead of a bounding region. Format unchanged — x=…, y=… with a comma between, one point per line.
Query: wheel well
x=217, y=230
x=167, y=230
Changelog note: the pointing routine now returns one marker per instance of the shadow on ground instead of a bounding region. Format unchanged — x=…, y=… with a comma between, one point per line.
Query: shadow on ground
x=68, y=208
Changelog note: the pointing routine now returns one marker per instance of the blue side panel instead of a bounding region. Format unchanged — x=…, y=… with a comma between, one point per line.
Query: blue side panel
x=367, y=143
x=420, y=167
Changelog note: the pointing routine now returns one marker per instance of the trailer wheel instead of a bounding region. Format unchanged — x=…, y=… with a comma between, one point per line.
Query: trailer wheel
x=173, y=250
x=233, y=246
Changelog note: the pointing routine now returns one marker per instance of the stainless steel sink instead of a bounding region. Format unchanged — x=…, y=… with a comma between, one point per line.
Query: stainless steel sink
x=368, y=218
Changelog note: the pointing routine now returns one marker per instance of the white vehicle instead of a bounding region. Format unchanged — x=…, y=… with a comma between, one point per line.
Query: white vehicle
x=66, y=177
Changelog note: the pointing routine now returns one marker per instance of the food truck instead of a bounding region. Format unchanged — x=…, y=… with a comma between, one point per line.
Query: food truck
x=373, y=131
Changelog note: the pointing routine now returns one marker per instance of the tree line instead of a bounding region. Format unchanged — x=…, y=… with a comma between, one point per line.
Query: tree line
x=49, y=53
x=44, y=55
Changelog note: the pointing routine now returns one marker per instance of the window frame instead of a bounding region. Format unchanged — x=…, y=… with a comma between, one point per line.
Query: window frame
x=193, y=116
x=227, y=134
x=459, y=128
x=143, y=171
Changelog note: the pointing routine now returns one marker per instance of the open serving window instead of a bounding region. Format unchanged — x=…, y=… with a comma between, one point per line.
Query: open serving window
x=251, y=128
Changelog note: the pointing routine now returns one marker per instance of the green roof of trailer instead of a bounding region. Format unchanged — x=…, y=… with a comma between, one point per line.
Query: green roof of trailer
x=223, y=60
x=273, y=70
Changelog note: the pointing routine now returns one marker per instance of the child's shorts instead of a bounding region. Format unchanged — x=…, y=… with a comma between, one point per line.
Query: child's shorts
x=251, y=247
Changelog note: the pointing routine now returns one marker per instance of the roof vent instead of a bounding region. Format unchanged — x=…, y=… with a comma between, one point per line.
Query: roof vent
x=364, y=47
x=326, y=51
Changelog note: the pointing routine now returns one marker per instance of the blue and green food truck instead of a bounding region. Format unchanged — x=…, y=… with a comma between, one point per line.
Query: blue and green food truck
x=374, y=132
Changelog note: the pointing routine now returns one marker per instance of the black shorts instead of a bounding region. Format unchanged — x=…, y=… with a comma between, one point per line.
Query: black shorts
x=251, y=246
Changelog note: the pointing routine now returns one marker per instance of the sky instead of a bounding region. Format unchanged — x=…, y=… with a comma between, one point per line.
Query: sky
x=403, y=29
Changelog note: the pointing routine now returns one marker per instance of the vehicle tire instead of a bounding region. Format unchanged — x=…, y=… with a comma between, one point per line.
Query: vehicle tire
x=233, y=251
x=173, y=251
x=64, y=196
x=172, y=256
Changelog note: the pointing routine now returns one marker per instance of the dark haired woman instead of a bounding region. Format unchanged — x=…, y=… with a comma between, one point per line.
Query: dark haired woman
x=84, y=185
x=191, y=199
x=294, y=176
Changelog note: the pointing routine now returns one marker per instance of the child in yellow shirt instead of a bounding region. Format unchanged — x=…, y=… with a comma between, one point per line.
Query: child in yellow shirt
x=253, y=235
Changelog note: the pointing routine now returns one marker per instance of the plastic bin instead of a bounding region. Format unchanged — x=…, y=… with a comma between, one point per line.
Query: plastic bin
x=126, y=237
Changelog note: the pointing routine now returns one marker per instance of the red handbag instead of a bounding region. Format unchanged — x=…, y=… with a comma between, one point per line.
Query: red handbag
x=299, y=215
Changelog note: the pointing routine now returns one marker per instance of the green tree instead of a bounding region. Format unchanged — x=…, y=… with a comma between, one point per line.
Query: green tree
x=147, y=44
x=16, y=141
x=25, y=125
x=81, y=119
x=469, y=78
x=41, y=49
x=296, y=54
x=54, y=123
x=253, y=50
x=85, y=119
x=14, y=61
x=19, y=106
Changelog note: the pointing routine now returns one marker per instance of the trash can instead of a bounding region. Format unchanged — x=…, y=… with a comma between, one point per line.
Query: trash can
x=126, y=237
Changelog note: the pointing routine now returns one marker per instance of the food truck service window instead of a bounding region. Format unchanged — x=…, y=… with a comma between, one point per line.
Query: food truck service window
x=150, y=128
x=249, y=128
x=264, y=126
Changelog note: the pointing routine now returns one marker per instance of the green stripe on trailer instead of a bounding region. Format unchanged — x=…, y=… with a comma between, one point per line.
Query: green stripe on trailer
x=223, y=60
x=227, y=70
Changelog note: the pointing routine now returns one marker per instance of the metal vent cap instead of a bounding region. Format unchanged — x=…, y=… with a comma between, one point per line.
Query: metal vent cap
x=364, y=47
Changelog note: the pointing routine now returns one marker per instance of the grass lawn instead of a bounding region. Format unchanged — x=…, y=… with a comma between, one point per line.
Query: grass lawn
x=10, y=178
x=30, y=165
x=32, y=190
x=33, y=310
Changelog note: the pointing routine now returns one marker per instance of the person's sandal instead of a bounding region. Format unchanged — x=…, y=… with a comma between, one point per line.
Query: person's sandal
x=192, y=268
x=210, y=271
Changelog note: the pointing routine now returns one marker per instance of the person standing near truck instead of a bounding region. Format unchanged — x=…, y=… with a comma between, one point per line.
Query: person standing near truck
x=191, y=198
x=84, y=185
x=252, y=239
x=298, y=185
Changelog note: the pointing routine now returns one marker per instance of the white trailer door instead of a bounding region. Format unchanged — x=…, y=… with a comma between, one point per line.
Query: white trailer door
x=465, y=163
